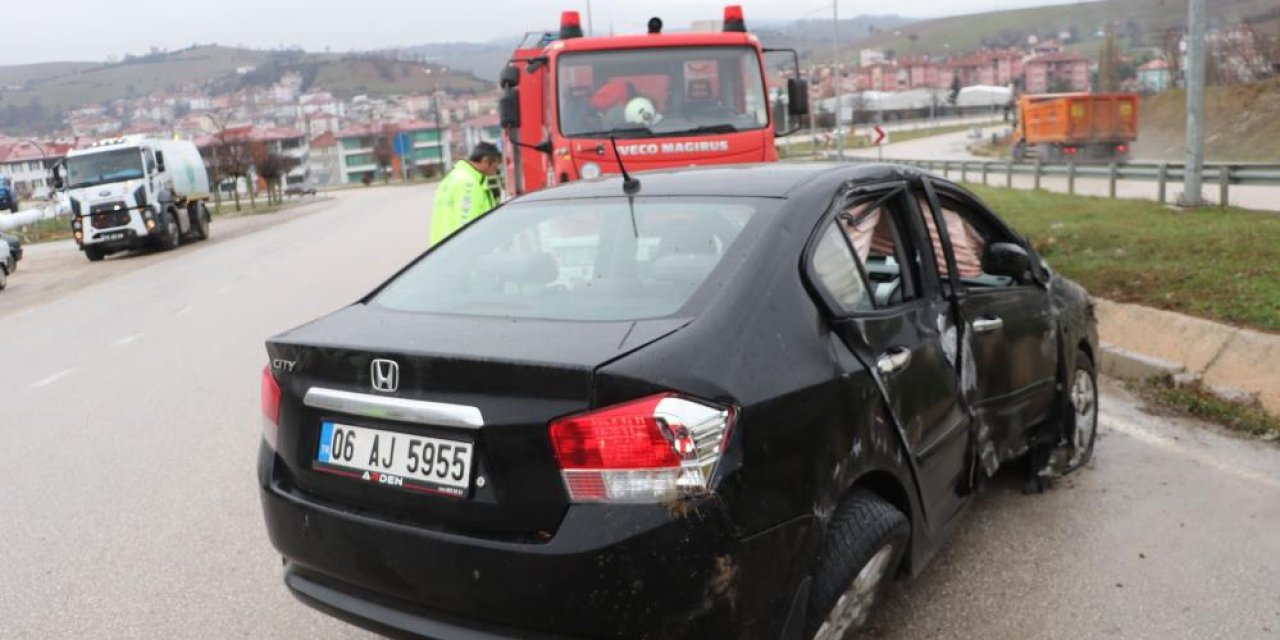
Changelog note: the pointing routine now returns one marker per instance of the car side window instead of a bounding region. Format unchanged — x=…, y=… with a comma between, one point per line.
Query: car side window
x=863, y=258
x=970, y=234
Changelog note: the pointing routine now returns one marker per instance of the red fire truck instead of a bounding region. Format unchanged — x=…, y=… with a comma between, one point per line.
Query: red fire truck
x=664, y=100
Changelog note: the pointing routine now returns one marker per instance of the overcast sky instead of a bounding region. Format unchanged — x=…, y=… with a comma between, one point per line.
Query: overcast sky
x=92, y=30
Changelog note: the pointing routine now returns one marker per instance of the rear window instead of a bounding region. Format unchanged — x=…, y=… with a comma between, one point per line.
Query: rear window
x=597, y=259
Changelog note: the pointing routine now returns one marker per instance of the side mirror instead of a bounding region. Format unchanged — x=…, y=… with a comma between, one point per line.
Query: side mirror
x=509, y=109
x=159, y=161
x=1007, y=259
x=510, y=77
x=797, y=97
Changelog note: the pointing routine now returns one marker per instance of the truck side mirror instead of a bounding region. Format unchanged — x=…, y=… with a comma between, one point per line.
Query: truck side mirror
x=510, y=77
x=797, y=97
x=159, y=161
x=509, y=109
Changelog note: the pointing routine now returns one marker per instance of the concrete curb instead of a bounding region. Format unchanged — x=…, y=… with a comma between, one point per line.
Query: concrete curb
x=1140, y=342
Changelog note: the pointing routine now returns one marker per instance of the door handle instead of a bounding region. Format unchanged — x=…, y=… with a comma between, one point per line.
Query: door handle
x=987, y=324
x=893, y=360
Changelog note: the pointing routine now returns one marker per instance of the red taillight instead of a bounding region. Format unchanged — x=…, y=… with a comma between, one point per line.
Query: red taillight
x=1122, y=148
x=640, y=451
x=270, y=407
x=733, y=20
x=570, y=25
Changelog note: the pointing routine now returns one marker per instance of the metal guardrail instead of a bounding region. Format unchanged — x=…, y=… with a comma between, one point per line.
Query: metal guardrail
x=1225, y=175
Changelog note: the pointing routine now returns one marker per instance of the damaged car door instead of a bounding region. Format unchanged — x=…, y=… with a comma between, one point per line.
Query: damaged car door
x=878, y=284
x=1006, y=316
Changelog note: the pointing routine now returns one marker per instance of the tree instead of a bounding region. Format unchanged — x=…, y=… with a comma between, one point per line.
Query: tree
x=1171, y=47
x=272, y=167
x=383, y=153
x=1109, y=63
x=235, y=161
x=954, y=96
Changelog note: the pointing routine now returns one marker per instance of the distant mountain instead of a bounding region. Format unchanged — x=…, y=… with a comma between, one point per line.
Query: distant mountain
x=33, y=97
x=809, y=37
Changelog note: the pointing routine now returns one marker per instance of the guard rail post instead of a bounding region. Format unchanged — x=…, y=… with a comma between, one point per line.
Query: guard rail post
x=1224, y=182
x=1071, y=178
x=1111, y=178
x=946, y=169
x=964, y=171
x=1162, y=182
x=1008, y=174
x=984, y=173
x=1037, y=171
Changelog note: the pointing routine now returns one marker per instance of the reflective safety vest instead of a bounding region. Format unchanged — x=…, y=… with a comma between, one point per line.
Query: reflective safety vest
x=462, y=196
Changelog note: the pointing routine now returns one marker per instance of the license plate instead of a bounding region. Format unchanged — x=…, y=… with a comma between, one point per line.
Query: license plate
x=111, y=236
x=402, y=460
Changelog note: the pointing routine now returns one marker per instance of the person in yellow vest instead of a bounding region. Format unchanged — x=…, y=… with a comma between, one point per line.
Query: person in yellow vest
x=464, y=194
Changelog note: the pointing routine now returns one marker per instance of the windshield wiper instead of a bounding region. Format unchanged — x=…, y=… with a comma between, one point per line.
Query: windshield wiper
x=622, y=132
x=708, y=128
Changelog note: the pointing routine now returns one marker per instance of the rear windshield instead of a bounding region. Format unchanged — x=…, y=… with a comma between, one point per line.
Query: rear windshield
x=597, y=259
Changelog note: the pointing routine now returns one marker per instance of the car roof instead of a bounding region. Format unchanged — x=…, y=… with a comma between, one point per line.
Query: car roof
x=771, y=180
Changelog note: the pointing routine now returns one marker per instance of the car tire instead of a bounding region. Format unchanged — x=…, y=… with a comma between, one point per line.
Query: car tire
x=172, y=236
x=4, y=278
x=1081, y=431
x=864, y=544
x=94, y=253
x=12, y=264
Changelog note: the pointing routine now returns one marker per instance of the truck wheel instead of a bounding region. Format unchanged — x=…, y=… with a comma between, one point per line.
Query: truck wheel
x=94, y=253
x=199, y=222
x=864, y=543
x=13, y=206
x=172, y=235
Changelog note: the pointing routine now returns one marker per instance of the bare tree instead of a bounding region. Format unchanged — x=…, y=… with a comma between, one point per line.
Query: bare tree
x=1109, y=63
x=383, y=153
x=272, y=167
x=1171, y=47
x=236, y=161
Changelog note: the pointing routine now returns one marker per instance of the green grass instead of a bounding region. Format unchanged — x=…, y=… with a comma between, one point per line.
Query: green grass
x=1196, y=401
x=1219, y=264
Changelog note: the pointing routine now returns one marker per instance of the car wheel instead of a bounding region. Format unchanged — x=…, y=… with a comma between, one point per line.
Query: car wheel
x=1083, y=397
x=173, y=235
x=864, y=543
x=94, y=253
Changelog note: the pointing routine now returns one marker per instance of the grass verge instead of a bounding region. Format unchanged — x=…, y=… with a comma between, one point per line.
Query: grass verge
x=60, y=228
x=1194, y=400
x=1222, y=264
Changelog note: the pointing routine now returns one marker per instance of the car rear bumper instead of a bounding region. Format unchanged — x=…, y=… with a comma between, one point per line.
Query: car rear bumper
x=632, y=571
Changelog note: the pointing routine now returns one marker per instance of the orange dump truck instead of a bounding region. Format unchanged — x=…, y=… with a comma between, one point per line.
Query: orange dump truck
x=1099, y=127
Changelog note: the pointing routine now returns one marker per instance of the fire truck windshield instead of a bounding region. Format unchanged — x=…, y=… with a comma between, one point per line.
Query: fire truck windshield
x=661, y=92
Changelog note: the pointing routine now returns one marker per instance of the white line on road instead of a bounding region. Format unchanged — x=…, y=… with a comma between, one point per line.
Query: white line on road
x=1173, y=446
x=51, y=379
x=127, y=339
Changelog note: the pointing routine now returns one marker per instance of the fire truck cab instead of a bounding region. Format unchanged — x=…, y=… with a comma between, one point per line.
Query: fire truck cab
x=571, y=105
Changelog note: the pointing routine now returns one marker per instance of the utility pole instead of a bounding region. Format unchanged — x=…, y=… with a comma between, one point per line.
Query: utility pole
x=1194, y=169
x=590, y=29
x=835, y=74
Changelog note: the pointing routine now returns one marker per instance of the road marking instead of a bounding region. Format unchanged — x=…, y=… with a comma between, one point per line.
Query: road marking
x=127, y=339
x=51, y=379
x=183, y=311
x=1173, y=446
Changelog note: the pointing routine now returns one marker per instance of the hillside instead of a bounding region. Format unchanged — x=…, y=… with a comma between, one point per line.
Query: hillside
x=1139, y=18
x=61, y=86
x=1242, y=124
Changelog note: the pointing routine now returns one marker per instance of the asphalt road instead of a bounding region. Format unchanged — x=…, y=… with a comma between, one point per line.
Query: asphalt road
x=129, y=420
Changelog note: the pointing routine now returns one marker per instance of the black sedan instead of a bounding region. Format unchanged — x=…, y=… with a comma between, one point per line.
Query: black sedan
x=730, y=406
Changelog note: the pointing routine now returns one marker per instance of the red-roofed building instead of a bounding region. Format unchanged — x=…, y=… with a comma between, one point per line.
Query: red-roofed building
x=482, y=129
x=27, y=163
x=1057, y=72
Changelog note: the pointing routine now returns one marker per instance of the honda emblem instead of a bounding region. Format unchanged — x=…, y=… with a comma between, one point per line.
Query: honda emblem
x=385, y=375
